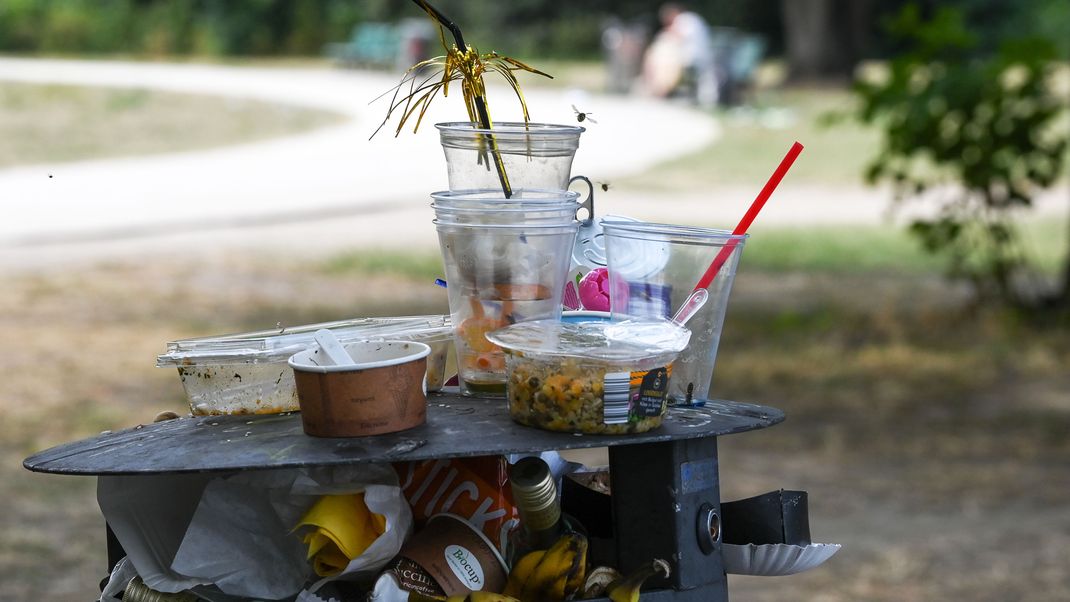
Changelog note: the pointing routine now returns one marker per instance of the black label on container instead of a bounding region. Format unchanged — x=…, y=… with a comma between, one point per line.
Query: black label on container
x=412, y=577
x=653, y=389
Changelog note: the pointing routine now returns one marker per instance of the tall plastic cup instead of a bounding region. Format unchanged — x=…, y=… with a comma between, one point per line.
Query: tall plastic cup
x=653, y=269
x=534, y=155
x=525, y=206
x=498, y=275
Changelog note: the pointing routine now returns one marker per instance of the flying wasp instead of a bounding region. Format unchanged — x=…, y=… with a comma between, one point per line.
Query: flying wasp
x=605, y=186
x=581, y=116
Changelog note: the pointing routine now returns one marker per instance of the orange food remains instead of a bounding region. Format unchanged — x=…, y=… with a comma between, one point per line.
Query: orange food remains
x=472, y=332
x=522, y=292
x=490, y=362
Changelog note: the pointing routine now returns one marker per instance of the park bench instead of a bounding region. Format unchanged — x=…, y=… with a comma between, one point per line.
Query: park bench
x=371, y=44
x=375, y=45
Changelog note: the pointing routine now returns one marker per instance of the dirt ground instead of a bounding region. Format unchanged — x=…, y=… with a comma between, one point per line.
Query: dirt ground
x=933, y=440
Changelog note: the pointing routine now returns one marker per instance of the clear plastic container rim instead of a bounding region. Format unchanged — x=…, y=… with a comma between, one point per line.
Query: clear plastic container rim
x=511, y=129
x=653, y=231
x=552, y=220
x=564, y=208
x=537, y=229
x=543, y=195
x=592, y=351
x=269, y=346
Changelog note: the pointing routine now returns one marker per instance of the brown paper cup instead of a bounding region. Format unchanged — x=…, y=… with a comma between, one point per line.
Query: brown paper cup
x=382, y=393
x=454, y=555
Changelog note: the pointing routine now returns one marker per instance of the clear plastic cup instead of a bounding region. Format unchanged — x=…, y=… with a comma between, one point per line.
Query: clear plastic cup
x=499, y=275
x=492, y=198
x=653, y=269
x=533, y=155
x=526, y=206
x=531, y=217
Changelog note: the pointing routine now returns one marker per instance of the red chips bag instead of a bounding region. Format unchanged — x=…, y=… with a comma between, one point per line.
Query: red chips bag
x=476, y=489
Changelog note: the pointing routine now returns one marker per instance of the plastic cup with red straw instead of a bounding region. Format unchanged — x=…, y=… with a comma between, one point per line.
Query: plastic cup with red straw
x=752, y=212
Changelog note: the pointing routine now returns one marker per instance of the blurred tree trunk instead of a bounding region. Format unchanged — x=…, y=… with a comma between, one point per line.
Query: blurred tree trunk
x=824, y=38
x=1063, y=296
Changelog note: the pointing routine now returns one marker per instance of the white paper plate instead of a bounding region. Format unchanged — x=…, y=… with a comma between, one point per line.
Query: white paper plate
x=775, y=559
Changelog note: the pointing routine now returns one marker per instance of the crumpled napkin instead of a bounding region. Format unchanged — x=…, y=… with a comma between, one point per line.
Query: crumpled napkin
x=342, y=528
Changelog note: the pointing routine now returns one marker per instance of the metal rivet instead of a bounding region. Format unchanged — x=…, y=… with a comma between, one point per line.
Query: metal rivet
x=708, y=528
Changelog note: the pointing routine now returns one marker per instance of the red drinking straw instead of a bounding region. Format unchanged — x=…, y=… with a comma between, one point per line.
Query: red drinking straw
x=755, y=207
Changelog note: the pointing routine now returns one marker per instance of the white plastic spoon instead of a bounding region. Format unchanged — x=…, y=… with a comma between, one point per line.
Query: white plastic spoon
x=691, y=306
x=333, y=352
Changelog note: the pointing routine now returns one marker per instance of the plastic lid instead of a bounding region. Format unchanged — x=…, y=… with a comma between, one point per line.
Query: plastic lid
x=590, y=247
x=628, y=340
x=267, y=346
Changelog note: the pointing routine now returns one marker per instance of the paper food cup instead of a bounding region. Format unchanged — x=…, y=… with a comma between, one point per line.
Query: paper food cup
x=384, y=391
x=449, y=556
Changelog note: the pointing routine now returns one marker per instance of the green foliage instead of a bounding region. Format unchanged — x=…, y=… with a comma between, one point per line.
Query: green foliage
x=526, y=28
x=980, y=132
x=177, y=27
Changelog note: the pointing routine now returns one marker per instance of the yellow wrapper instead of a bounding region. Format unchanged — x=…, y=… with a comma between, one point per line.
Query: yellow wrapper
x=342, y=528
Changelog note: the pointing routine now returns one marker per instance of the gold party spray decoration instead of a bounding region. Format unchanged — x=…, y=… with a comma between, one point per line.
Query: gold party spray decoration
x=464, y=64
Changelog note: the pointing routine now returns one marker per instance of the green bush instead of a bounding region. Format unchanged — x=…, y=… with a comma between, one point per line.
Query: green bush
x=985, y=130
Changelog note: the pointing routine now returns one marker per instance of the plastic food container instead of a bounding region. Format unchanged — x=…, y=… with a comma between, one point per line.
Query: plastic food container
x=246, y=373
x=381, y=392
x=591, y=377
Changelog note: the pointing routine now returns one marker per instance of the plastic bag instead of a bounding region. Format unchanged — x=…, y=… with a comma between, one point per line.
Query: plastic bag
x=236, y=533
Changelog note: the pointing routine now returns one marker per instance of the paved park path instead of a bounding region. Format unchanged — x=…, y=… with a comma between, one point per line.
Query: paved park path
x=333, y=187
x=331, y=172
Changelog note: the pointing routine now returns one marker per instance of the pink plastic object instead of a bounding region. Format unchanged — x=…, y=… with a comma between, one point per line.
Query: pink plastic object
x=594, y=290
x=571, y=299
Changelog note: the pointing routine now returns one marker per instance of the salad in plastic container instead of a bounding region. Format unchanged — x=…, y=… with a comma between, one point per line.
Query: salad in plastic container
x=246, y=373
x=594, y=377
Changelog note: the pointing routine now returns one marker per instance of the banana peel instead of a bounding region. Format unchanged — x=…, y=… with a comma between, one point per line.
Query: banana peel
x=522, y=569
x=626, y=589
x=598, y=580
x=551, y=575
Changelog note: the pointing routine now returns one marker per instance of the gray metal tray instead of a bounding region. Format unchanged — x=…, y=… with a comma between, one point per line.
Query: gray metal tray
x=456, y=427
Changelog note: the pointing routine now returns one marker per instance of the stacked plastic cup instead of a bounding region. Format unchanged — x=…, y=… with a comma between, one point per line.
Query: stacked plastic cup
x=532, y=156
x=506, y=261
x=506, y=256
x=491, y=207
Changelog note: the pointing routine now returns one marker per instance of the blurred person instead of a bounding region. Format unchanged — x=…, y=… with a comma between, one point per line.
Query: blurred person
x=623, y=45
x=681, y=56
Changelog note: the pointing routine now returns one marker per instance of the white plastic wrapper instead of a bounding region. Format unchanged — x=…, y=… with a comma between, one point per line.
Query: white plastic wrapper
x=180, y=531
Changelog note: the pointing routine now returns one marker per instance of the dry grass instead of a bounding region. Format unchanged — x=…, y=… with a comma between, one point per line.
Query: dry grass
x=758, y=134
x=934, y=443
x=934, y=440
x=50, y=123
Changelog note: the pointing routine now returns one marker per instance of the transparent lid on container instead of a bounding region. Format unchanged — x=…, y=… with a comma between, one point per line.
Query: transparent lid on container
x=627, y=340
x=266, y=346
